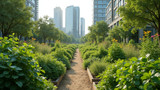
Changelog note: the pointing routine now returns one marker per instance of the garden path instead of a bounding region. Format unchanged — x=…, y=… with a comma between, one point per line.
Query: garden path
x=76, y=78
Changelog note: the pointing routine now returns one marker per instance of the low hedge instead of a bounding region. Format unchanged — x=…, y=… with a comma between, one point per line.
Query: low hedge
x=53, y=68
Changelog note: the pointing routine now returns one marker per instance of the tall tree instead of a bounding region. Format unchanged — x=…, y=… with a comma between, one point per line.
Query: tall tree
x=15, y=17
x=139, y=13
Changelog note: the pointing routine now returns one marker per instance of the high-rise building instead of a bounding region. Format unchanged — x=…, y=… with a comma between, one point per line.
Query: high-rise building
x=72, y=21
x=82, y=31
x=99, y=10
x=58, y=18
x=34, y=5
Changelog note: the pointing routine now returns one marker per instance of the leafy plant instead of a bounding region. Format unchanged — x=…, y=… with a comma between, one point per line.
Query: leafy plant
x=41, y=48
x=115, y=52
x=108, y=77
x=59, y=54
x=97, y=67
x=149, y=47
x=86, y=63
x=130, y=51
x=53, y=68
x=18, y=68
x=139, y=74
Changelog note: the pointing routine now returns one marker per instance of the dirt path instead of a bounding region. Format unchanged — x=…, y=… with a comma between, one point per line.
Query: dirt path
x=76, y=78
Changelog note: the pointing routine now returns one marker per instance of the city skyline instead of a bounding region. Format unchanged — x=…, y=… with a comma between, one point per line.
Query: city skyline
x=46, y=8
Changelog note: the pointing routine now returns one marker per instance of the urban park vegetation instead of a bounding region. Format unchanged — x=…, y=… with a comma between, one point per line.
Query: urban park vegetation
x=43, y=53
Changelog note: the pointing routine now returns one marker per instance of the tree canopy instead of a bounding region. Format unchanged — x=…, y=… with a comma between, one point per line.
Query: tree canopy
x=46, y=30
x=137, y=14
x=15, y=17
x=98, y=32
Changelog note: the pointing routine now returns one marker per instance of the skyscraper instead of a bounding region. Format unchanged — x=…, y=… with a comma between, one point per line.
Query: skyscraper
x=34, y=5
x=99, y=10
x=72, y=22
x=58, y=18
x=82, y=31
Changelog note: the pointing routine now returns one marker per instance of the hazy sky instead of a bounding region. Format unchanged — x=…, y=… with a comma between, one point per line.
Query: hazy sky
x=46, y=8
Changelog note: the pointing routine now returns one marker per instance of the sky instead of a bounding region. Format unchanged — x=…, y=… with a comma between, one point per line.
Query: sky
x=46, y=7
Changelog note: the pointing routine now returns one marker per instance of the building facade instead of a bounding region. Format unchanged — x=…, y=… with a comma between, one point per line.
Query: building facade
x=113, y=18
x=34, y=5
x=99, y=10
x=58, y=18
x=82, y=30
x=72, y=22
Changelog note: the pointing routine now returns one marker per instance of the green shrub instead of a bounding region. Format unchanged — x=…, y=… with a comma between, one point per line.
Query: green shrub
x=149, y=47
x=97, y=67
x=108, y=77
x=136, y=74
x=53, y=68
x=41, y=48
x=115, y=53
x=102, y=52
x=86, y=63
x=130, y=51
x=18, y=69
x=59, y=54
x=131, y=42
x=88, y=54
x=143, y=74
x=67, y=55
x=57, y=45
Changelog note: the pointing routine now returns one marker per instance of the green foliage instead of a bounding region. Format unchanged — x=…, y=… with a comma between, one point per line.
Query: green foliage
x=139, y=13
x=139, y=74
x=41, y=48
x=132, y=42
x=46, y=30
x=115, y=52
x=89, y=54
x=87, y=63
x=149, y=47
x=97, y=34
x=136, y=74
x=56, y=46
x=15, y=17
x=108, y=77
x=97, y=67
x=53, y=68
x=130, y=50
x=118, y=33
x=102, y=52
x=18, y=68
x=59, y=54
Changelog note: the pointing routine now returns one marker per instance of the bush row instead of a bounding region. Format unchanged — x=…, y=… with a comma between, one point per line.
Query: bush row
x=135, y=74
x=56, y=63
x=18, y=67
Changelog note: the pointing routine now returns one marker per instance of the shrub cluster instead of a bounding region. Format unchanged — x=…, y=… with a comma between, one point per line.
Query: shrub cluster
x=136, y=74
x=53, y=68
x=19, y=69
x=64, y=53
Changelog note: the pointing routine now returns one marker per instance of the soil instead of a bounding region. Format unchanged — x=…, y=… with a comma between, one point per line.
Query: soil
x=76, y=78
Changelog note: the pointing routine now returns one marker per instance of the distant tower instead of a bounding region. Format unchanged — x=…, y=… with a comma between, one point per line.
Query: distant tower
x=72, y=23
x=99, y=10
x=58, y=18
x=34, y=5
x=82, y=33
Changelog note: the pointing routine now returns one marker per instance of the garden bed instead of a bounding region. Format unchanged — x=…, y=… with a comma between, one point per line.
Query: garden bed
x=94, y=85
x=57, y=82
x=91, y=77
